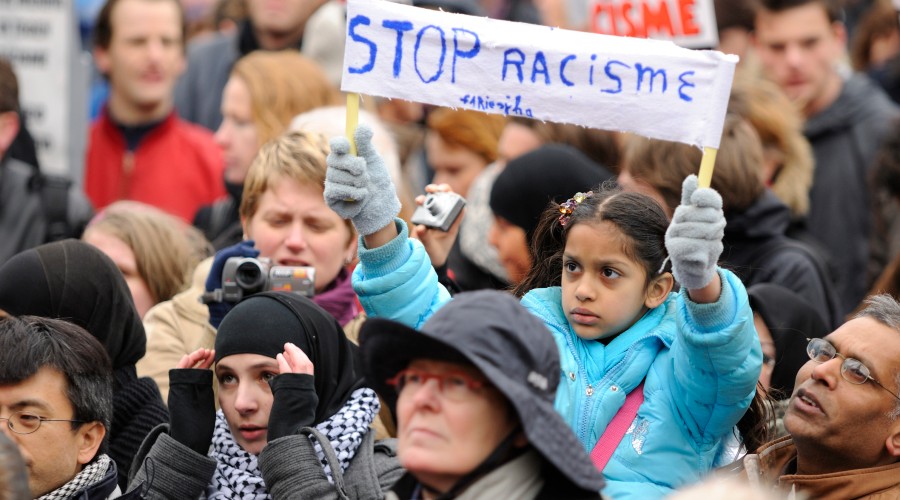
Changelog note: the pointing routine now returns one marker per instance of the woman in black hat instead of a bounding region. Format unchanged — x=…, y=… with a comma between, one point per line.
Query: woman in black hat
x=473, y=393
x=295, y=418
x=75, y=281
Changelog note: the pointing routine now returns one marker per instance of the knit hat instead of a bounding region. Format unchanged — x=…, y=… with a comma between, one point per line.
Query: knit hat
x=262, y=323
x=512, y=349
x=553, y=172
x=791, y=320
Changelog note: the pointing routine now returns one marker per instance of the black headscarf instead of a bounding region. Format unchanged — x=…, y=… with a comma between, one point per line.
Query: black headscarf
x=553, y=172
x=264, y=322
x=75, y=281
x=791, y=320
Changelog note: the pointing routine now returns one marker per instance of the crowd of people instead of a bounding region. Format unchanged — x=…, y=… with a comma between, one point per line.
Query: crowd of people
x=234, y=302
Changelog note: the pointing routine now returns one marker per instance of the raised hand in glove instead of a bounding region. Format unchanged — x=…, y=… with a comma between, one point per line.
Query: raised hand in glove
x=694, y=238
x=218, y=310
x=294, y=393
x=192, y=408
x=359, y=188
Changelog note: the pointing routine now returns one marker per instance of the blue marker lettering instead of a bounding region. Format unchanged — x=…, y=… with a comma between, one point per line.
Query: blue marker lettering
x=440, y=68
x=685, y=83
x=399, y=27
x=517, y=110
x=373, y=49
x=518, y=64
x=643, y=70
x=591, y=76
x=469, y=54
x=539, y=58
x=613, y=76
x=562, y=70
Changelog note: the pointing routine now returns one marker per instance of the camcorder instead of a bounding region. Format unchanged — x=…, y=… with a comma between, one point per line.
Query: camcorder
x=244, y=276
x=439, y=211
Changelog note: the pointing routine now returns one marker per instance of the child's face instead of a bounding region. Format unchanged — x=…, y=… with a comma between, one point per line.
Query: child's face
x=603, y=290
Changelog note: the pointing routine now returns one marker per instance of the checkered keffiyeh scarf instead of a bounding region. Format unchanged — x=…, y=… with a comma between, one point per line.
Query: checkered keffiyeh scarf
x=90, y=475
x=237, y=472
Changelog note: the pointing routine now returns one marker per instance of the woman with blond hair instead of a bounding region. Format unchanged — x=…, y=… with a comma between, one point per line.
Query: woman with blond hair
x=155, y=251
x=264, y=92
x=284, y=218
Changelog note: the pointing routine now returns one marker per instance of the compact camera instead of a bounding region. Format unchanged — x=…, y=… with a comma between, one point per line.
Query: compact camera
x=439, y=211
x=244, y=276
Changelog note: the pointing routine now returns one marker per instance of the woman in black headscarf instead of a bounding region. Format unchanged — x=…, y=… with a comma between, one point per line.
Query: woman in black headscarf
x=295, y=412
x=784, y=321
x=74, y=281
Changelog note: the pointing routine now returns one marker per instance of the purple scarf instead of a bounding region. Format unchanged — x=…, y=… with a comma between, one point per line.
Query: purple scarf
x=339, y=299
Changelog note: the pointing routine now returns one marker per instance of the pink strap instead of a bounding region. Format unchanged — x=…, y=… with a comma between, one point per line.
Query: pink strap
x=617, y=428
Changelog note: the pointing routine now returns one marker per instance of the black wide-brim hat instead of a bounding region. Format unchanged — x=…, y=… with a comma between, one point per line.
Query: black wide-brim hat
x=512, y=349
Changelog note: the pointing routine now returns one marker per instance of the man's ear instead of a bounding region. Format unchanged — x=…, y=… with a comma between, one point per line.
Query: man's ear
x=90, y=437
x=658, y=290
x=840, y=32
x=101, y=59
x=893, y=440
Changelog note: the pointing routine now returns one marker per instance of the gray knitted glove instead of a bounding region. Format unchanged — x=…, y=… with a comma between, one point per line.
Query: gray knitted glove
x=359, y=188
x=694, y=238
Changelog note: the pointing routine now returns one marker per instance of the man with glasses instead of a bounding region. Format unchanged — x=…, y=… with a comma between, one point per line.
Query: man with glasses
x=56, y=405
x=843, y=418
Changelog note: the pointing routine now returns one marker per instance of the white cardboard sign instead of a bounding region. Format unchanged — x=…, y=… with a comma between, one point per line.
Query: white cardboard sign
x=649, y=87
x=688, y=23
x=39, y=38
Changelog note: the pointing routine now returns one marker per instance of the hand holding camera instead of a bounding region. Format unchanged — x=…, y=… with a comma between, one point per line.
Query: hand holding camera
x=439, y=210
x=217, y=307
x=237, y=272
x=436, y=221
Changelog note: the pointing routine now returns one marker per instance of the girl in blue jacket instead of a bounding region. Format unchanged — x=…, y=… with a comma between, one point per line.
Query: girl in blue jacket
x=601, y=284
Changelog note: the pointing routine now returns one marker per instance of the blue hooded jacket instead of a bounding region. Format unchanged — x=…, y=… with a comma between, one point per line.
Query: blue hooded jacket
x=699, y=364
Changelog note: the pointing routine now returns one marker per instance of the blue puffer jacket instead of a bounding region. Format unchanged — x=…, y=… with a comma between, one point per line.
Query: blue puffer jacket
x=700, y=363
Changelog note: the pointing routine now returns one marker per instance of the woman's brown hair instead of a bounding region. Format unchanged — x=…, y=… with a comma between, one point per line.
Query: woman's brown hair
x=282, y=84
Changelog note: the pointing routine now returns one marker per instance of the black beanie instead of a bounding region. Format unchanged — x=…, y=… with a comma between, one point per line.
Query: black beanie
x=552, y=172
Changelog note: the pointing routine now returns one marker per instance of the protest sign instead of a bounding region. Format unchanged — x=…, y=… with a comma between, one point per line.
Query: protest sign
x=688, y=23
x=649, y=87
x=39, y=38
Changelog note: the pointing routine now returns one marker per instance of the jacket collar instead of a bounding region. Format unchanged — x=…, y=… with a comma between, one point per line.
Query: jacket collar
x=779, y=457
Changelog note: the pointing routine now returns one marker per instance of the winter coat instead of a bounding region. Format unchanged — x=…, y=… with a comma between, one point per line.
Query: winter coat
x=845, y=138
x=23, y=212
x=289, y=466
x=526, y=477
x=775, y=461
x=757, y=250
x=700, y=362
x=177, y=166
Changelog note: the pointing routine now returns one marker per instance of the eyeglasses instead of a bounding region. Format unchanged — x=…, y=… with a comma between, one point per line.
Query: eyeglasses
x=456, y=386
x=27, y=423
x=853, y=370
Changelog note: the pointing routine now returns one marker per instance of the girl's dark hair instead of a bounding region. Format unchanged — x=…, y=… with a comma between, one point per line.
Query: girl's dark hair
x=757, y=426
x=638, y=216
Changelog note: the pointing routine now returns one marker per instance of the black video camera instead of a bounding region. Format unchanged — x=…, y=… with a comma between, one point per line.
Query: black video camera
x=244, y=276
